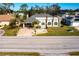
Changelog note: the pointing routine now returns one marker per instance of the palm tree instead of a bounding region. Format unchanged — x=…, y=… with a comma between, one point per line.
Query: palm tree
x=23, y=9
x=55, y=9
x=18, y=19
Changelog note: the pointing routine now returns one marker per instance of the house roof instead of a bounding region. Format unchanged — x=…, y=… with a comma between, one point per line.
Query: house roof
x=32, y=18
x=42, y=15
x=5, y=17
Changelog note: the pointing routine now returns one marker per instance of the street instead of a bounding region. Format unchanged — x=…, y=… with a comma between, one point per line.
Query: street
x=48, y=46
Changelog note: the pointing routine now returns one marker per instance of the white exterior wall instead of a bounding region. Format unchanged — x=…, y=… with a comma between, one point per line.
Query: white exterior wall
x=43, y=20
x=55, y=19
x=50, y=20
x=75, y=24
x=4, y=23
x=21, y=14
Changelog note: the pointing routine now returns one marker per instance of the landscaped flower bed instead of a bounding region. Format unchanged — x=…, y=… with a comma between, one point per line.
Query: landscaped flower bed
x=61, y=31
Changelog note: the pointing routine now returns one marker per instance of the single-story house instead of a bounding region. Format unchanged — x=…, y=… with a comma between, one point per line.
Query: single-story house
x=45, y=20
x=5, y=19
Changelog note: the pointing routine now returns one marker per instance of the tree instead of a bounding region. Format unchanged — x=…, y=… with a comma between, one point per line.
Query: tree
x=12, y=23
x=6, y=7
x=71, y=12
x=55, y=9
x=32, y=11
x=35, y=23
x=24, y=7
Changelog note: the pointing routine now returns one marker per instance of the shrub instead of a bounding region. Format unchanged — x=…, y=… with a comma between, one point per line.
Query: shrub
x=12, y=23
x=38, y=26
x=0, y=25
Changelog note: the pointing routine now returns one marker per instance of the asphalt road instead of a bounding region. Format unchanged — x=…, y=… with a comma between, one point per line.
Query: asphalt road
x=48, y=46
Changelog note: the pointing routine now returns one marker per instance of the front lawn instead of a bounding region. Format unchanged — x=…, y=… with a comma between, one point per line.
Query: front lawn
x=74, y=53
x=19, y=54
x=10, y=31
x=60, y=31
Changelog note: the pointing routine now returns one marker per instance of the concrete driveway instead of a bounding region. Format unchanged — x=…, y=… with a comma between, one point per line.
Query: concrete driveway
x=25, y=32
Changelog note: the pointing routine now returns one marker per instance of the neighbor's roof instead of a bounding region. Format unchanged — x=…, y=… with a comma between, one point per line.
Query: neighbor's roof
x=77, y=16
x=69, y=17
x=32, y=18
x=6, y=17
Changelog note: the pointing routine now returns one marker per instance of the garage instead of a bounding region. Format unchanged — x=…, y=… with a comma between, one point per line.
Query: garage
x=75, y=24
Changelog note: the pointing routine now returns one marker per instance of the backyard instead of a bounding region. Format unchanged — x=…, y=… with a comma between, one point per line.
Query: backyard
x=61, y=31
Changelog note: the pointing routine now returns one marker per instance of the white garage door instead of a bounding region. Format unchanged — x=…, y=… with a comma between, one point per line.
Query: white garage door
x=75, y=24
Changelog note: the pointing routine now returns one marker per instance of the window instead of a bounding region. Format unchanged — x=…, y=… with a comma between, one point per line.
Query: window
x=49, y=23
x=42, y=23
x=76, y=19
x=55, y=23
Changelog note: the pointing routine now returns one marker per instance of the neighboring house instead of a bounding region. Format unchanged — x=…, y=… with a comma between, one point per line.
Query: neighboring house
x=5, y=19
x=76, y=21
x=72, y=20
x=45, y=20
x=68, y=20
x=76, y=13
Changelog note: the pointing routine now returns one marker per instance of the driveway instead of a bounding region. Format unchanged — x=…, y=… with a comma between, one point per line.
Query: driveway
x=25, y=32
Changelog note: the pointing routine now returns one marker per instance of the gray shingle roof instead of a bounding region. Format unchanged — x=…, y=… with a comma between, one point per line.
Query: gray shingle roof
x=32, y=18
x=42, y=15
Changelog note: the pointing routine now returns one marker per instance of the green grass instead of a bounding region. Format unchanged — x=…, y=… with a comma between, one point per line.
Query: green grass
x=60, y=31
x=10, y=31
x=19, y=54
x=75, y=53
